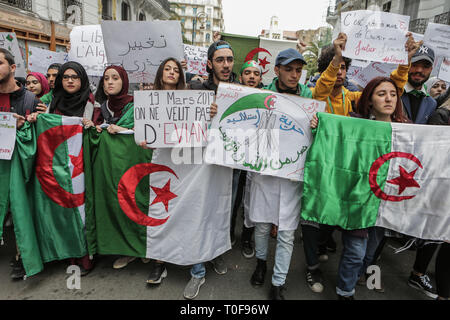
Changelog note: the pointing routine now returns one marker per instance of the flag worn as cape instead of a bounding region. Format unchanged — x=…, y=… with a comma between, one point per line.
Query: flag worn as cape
x=362, y=173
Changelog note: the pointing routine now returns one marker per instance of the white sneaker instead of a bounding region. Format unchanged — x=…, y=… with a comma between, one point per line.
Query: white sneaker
x=122, y=262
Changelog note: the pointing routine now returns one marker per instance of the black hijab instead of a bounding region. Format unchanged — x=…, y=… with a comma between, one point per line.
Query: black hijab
x=70, y=104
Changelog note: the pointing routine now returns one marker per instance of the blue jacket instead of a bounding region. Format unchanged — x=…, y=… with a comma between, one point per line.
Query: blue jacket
x=427, y=107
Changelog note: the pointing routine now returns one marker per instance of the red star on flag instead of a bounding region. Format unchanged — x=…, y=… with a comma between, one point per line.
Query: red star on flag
x=406, y=180
x=163, y=195
x=263, y=62
x=77, y=162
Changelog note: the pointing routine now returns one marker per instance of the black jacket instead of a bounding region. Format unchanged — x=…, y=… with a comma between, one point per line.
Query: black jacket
x=440, y=117
x=22, y=101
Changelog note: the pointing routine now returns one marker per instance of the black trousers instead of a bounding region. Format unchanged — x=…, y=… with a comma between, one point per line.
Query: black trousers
x=423, y=257
x=246, y=232
x=443, y=271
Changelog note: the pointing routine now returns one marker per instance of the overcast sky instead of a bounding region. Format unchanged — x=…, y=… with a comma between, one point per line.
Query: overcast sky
x=249, y=17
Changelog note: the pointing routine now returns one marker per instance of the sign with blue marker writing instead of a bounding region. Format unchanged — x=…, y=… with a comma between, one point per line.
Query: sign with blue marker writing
x=261, y=131
x=141, y=46
x=87, y=48
x=172, y=118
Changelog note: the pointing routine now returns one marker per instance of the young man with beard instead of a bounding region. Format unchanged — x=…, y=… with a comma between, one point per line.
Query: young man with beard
x=219, y=66
x=21, y=102
x=52, y=71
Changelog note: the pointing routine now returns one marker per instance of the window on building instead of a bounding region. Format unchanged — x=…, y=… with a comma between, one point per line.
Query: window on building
x=411, y=9
x=387, y=6
x=208, y=25
x=194, y=10
x=208, y=37
x=183, y=11
x=142, y=17
x=126, y=12
x=106, y=10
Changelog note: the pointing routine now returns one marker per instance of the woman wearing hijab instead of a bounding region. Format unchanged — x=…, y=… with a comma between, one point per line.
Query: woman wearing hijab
x=435, y=87
x=37, y=83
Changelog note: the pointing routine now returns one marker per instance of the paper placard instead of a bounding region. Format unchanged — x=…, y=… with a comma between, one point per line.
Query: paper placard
x=196, y=58
x=261, y=131
x=40, y=59
x=375, y=36
x=172, y=118
x=7, y=135
x=374, y=69
x=437, y=36
x=142, y=48
x=8, y=41
x=87, y=48
x=444, y=70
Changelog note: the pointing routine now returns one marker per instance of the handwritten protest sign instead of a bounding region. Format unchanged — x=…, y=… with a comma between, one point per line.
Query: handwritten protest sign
x=142, y=48
x=196, y=58
x=374, y=69
x=261, y=131
x=375, y=36
x=437, y=36
x=7, y=135
x=8, y=41
x=39, y=59
x=86, y=47
x=444, y=70
x=172, y=118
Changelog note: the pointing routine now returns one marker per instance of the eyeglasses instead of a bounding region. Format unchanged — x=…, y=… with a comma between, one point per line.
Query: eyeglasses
x=32, y=82
x=73, y=77
x=222, y=59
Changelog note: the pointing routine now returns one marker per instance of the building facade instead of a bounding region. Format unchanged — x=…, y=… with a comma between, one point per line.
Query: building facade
x=134, y=10
x=421, y=12
x=200, y=19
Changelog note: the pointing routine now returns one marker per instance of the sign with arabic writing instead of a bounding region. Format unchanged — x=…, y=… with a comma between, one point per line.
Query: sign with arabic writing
x=172, y=118
x=196, y=58
x=7, y=135
x=40, y=59
x=141, y=46
x=87, y=48
x=375, y=36
x=261, y=131
x=8, y=41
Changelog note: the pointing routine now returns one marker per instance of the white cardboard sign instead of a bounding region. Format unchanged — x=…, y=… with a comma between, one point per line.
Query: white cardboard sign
x=196, y=58
x=172, y=118
x=7, y=135
x=437, y=36
x=375, y=36
x=40, y=59
x=8, y=41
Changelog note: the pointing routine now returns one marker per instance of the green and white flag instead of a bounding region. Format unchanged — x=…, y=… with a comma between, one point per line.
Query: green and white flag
x=143, y=205
x=362, y=173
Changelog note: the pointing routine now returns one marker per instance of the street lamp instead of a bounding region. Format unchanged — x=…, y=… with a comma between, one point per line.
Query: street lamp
x=201, y=16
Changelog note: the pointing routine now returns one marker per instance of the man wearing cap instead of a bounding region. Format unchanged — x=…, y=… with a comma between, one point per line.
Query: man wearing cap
x=219, y=67
x=251, y=74
x=418, y=104
x=274, y=199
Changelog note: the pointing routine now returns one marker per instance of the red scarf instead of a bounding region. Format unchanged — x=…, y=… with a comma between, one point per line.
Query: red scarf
x=117, y=102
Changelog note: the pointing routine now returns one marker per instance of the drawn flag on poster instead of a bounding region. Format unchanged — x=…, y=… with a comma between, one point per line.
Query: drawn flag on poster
x=8, y=41
x=391, y=175
x=261, y=131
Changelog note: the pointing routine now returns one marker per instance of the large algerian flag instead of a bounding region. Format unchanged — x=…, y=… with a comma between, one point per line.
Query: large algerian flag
x=139, y=203
x=264, y=51
x=362, y=173
x=47, y=191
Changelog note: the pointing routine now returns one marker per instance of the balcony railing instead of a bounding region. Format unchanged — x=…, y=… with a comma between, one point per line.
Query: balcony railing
x=418, y=25
x=443, y=18
x=21, y=4
x=165, y=4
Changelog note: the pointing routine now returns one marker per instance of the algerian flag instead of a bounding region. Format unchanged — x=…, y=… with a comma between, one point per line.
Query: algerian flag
x=144, y=207
x=263, y=50
x=5, y=169
x=362, y=173
x=47, y=191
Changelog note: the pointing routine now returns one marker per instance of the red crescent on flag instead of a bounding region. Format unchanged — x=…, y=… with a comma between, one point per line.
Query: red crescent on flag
x=47, y=144
x=374, y=173
x=272, y=101
x=254, y=52
x=127, y=188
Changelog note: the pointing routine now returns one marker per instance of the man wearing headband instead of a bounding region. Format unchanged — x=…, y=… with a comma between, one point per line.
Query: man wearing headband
x=251, y=74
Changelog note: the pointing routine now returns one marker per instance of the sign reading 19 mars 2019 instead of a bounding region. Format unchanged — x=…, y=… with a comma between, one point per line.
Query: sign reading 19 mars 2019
x=375, y=36
x=172, y=118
